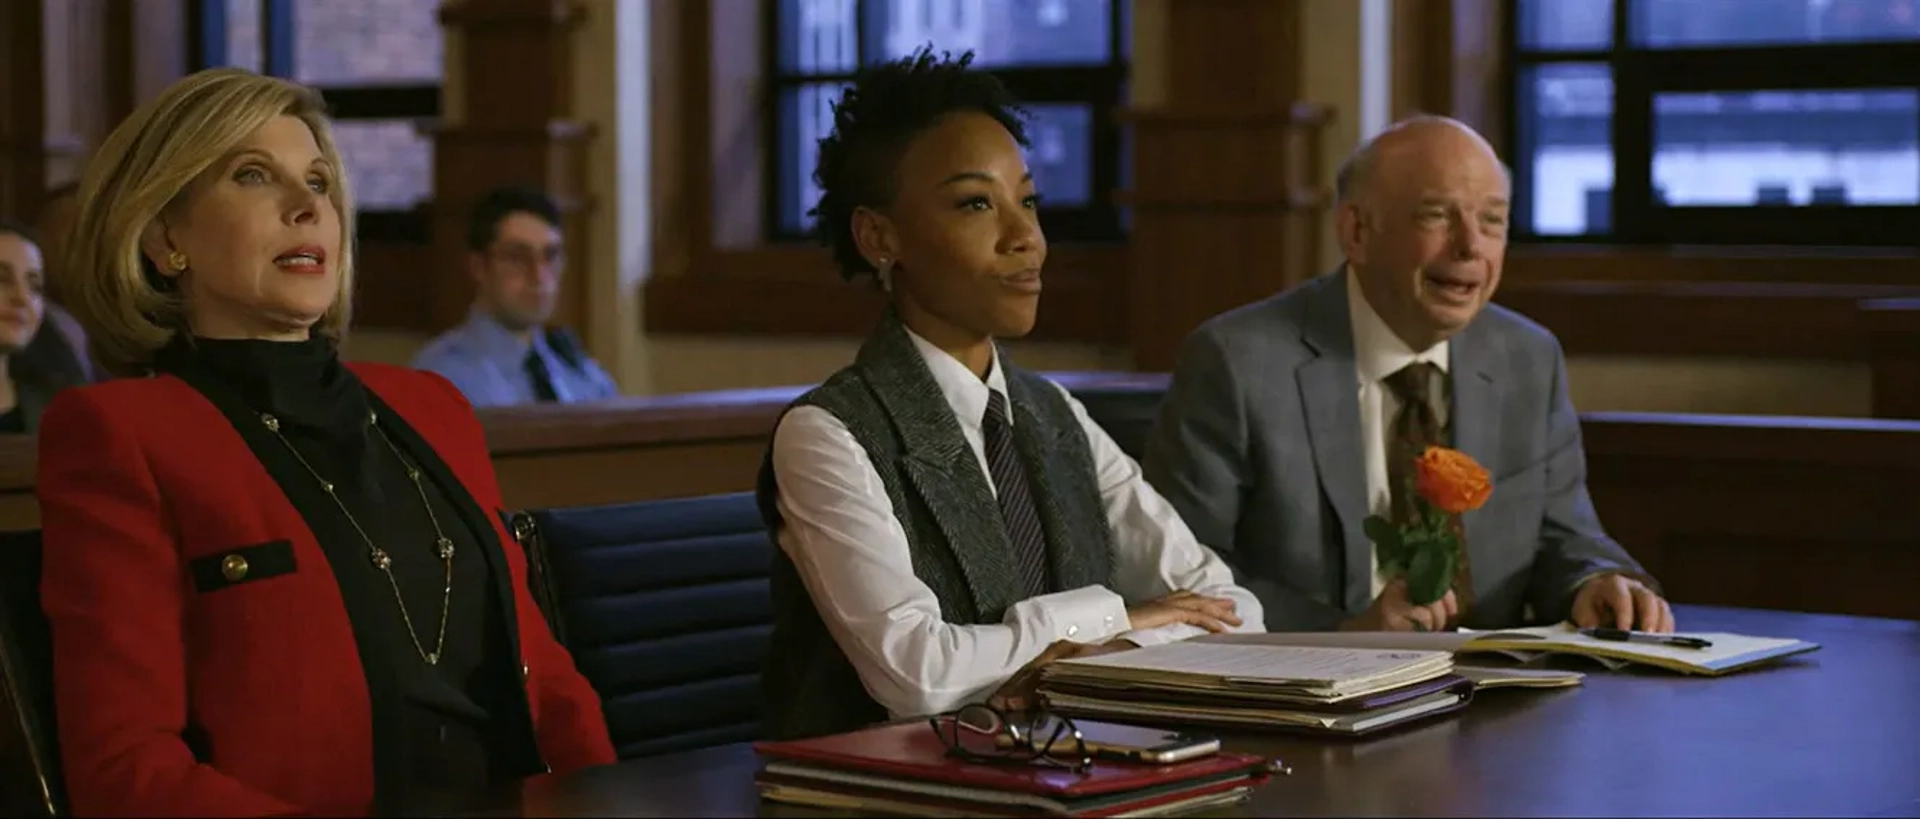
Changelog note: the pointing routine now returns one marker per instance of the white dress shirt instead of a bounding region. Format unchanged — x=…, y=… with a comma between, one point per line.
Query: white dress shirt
x=1377, y=353
x=851, y=552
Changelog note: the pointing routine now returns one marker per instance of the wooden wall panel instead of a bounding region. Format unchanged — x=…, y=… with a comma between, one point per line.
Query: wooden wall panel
x=1787, y=513
x=1227, y=201
x=23, y=114
x=1795, y=513
x=516, y=103
x=1891, y=332
x=70, y=71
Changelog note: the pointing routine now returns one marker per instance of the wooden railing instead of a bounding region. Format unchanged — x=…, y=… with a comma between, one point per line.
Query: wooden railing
x=1812, y=514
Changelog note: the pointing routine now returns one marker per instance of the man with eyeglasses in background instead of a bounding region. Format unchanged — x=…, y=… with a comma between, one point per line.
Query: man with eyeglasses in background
x=504, y=354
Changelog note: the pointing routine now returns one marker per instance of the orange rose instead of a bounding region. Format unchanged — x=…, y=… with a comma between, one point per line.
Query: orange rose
x=1451, y=480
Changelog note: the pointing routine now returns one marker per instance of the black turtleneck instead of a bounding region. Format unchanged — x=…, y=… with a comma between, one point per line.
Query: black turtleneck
x=444, y=721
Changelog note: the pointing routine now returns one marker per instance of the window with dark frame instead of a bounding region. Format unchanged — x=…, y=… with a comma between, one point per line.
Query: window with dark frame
x=1716, y=121
x=378, y=64
x=1065, y=60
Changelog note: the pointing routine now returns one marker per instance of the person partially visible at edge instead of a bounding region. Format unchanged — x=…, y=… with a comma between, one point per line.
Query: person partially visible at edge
x=504, y=354
x=52, y=228
x=945, y=518
x=35, y=360
x=1292, y=419
x=276, y=583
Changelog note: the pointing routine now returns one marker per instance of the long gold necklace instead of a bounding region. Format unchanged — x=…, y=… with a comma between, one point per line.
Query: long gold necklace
x=443, y=546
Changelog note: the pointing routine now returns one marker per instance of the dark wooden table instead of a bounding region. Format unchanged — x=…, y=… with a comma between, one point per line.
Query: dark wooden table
x=1835, y=732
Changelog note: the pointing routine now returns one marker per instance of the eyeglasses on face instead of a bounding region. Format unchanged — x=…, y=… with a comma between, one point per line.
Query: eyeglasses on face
x=527, y=257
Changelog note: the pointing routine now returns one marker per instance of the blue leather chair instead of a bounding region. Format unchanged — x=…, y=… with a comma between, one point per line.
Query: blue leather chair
x=665, y=608
x=31, y=783
x=1126, y=409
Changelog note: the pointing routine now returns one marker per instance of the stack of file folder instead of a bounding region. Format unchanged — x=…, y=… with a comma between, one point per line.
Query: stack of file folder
x=907, y=769
x=1313, y=690
x=1709, y=654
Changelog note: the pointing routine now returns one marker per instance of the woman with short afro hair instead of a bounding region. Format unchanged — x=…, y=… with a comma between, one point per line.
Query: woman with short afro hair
x=944, y=517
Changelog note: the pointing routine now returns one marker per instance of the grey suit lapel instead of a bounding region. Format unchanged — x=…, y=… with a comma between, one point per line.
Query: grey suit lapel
x=942, y=468
x=1475, y=417
x=1330, y=389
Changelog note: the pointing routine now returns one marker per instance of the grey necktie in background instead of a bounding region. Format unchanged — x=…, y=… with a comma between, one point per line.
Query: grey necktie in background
x=541, y=377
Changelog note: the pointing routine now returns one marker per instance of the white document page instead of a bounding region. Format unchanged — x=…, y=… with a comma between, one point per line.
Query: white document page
x=1262, y=662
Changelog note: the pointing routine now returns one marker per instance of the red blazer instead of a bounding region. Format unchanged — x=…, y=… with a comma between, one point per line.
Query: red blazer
x=138, y=479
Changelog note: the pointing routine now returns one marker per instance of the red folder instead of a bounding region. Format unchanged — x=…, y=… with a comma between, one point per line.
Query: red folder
x=908, y=758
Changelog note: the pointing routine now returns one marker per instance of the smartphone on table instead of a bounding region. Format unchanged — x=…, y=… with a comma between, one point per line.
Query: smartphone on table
x=1131, y=743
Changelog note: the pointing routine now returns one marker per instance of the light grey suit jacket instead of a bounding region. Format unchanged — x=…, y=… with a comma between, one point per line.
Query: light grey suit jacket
x=1258, y=446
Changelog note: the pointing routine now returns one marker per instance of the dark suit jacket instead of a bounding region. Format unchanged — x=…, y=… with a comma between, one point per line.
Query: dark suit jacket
x=249, y=698
x=1258, y=446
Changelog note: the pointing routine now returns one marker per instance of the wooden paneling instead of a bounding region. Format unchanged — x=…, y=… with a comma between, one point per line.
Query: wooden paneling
x=1887, y=267
x=1692, y=301
x=23, y=115
x=796, y=291
x=1227, y=199
x=71, y=70
x=1732, y=319
x=1806, y=514
x=54, y=79
x=517, y=91
x=19, y=463
x=1892, y=331
x=1232, y=55
x=394, y=286
x=1809, y=514
x=1227, y=210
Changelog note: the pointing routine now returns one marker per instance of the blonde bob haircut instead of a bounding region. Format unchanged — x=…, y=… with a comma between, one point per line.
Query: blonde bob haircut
x=147, y=167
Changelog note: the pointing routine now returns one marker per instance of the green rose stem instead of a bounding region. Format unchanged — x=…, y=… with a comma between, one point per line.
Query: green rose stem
x=1425, y=552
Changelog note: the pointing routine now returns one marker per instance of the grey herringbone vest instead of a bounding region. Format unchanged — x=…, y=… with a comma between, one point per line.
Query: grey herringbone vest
x=889, y=401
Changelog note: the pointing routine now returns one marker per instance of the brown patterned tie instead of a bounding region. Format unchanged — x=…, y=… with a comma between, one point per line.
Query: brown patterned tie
x=1416, y=427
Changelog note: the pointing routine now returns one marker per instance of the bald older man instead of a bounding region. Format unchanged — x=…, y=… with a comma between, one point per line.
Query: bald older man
x=1292, y=419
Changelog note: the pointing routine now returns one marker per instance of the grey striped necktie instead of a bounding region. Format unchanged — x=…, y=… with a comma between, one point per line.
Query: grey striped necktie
x=1016, y=498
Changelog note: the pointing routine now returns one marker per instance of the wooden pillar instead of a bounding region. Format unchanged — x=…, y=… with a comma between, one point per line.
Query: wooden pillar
x=70, y=71
x=1448, y=58
x=1892, y=330
x=55, y=107
x=23, y=115
x=1226, y=199
x=516, y=98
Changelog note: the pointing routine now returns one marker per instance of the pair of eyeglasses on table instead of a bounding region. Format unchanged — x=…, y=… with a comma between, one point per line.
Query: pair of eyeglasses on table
x=986, y=735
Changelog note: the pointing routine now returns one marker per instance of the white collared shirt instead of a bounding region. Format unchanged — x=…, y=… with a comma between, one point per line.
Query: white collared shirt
x=1377, y=353
x=851, y=552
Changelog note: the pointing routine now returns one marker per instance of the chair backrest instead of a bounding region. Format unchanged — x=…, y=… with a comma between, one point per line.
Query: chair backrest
x=30, y=780
x=665, y=608
x=1126, y=412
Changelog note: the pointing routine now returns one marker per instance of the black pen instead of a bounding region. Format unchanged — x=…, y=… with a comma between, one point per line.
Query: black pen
x=1622, y=636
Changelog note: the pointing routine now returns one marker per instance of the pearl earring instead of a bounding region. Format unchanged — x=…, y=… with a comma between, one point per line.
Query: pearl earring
x=885, y=274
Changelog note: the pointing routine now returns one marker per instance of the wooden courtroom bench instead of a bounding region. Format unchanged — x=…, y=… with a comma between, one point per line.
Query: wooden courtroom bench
x=643, y=448
x=1808, y=514
x=1802, y=514
x=1812, y=514
x=18, y=455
